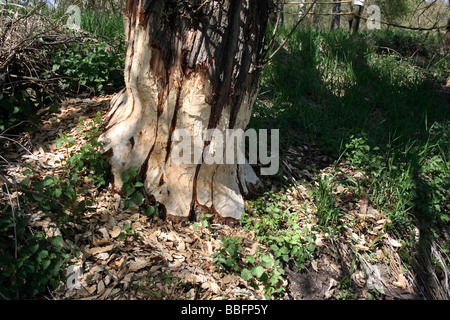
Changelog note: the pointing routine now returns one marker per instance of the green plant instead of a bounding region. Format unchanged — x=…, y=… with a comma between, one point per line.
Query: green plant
x=371, y=102
x=328, y=213
x=346, y=291
x=84, y=168
x=131, y=187
x=260, y=268
x=267, y=270
x=15, y=107
x=90, y=66
x=230, y=255
x=128, y=232
x=29, y=263
x=277, y=227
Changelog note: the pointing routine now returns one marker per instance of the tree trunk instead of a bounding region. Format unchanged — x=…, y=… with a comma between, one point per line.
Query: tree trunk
x=354, y=26
x=189, y=65
x=447, y=33
x=336, y=19
x=280, y=13
x=301, y=9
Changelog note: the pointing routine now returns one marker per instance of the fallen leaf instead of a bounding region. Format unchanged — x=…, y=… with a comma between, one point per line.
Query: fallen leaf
x=138, y=264
x=214, y=287
x=100, y=287
x=102, y=256
x=96, y=250
x=228, y=278
x=319, y=242
x=114, y=233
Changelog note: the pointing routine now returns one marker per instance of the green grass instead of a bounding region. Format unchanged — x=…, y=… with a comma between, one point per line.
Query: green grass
x=371, y=101
x=101, y=25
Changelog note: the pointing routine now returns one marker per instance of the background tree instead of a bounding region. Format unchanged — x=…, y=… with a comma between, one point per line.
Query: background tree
x=280, y=13
x=336, y=19
x=447, y=33
x=356, y=17
x=187, y=62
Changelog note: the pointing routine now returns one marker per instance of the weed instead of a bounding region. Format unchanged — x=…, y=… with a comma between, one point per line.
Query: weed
x=371, y=108
x=36, y=261
x=230, y=255
x=278, y=228
x=260, y=268
x=131, y=188
x=328, y=213
x=30, y=263
x=89, y=66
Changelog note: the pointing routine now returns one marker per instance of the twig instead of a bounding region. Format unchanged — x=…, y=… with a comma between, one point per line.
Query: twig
x=32, y=155
x=12, y=213
x=290, y=34
x=390, y=49
x=201, y=6
x=272, y=39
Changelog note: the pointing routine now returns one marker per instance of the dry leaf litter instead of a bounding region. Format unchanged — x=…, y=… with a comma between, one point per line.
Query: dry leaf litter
x=176, y=260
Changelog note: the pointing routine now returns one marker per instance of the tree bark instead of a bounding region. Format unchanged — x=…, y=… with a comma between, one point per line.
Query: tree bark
x=301, y=9
x=336, y=19
x=188, y=63
x=447, y=33
x=280, y=13
x=354, y=26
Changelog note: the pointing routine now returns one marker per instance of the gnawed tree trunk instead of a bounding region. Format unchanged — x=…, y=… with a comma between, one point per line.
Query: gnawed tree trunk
x=188, y=63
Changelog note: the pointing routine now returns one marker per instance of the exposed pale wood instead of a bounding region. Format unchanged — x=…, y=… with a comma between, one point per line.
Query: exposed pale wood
x=186, y=66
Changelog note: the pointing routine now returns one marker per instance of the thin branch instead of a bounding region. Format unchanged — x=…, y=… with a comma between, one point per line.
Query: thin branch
x=290, y=34
x=272, y=39
x=32, y=155
x=13, y=214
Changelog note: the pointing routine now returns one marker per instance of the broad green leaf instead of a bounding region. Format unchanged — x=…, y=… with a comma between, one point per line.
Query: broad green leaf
x=258, y=271
x=246, y=274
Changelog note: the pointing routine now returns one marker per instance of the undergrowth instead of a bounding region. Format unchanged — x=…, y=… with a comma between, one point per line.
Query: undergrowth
x=34, y=260
x=371, y=101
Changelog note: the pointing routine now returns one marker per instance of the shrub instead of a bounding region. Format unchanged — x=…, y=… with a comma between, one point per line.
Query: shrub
x=88, y=67
x=29, y=263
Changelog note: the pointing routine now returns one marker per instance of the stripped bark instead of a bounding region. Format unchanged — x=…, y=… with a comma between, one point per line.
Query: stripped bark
x=187, y=62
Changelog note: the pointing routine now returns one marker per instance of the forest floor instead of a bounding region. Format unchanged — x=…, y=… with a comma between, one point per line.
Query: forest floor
x=126, y=254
